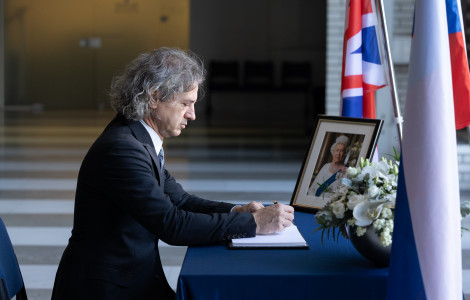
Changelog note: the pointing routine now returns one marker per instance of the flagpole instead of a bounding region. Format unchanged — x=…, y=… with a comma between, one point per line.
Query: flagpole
x=391, y=72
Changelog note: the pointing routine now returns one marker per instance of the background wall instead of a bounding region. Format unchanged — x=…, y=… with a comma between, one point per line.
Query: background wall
x=63, y=53
x=273, y=30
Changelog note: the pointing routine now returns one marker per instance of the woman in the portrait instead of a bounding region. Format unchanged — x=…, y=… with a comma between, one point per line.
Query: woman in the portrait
x=327, y=179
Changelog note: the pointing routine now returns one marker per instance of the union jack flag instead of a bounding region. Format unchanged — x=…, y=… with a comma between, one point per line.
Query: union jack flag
x=363, y=71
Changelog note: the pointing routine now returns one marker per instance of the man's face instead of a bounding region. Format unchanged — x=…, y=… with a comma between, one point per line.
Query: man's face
x=338, y=153
x=170, y=117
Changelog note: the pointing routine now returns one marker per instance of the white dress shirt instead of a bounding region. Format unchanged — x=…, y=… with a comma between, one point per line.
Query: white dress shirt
x=157, y=141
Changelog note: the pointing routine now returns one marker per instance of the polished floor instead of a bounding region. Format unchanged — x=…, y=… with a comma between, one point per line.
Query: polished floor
x=40, y=155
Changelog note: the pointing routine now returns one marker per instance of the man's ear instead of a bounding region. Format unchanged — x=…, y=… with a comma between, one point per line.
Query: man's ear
x=153, y=103
x=154, y=100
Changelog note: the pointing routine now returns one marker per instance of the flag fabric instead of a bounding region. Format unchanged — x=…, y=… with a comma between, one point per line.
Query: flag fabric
x=459, y=64
x=363, y=71
x=426, y=260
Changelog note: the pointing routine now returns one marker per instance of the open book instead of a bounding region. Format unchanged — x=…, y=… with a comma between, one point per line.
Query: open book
x=289, y=238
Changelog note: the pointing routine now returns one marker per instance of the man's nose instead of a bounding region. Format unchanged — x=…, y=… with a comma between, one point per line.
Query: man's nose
x=190, y=114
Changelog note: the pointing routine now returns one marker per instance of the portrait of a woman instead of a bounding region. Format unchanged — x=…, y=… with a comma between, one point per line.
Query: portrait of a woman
x=327, y=179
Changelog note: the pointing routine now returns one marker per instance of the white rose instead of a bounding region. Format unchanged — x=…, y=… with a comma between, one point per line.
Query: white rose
x=373, y=191
x=354, y=200
x=338, y=209
x=352, y=172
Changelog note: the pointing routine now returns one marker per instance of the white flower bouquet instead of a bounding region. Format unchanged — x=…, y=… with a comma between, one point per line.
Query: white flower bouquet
x=365, y=197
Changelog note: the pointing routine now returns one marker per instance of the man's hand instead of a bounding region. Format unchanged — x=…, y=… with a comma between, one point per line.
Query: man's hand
x=274, y=218
x=250, y=207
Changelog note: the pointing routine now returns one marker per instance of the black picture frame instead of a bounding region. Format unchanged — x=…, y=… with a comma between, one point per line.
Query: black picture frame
x=312, y=193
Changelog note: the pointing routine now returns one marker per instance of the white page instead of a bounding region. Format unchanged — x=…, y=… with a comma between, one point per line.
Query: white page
x=290, y=237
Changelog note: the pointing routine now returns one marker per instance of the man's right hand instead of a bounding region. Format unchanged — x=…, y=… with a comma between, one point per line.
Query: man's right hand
x=274, y=218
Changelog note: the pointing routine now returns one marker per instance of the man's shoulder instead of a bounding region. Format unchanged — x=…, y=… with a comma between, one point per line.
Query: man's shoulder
x=116, y=134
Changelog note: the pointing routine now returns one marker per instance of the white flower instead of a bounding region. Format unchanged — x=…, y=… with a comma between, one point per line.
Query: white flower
x=390, y=199
x=352, y=172
x=354, y=200
x=366, y=212
x=382, y=166
x=389, y=225
x=395, y=169
x=361, y=213
x=338, y=209
x=341, y=193
x=392, y=179
x=387, y=213
x=385, y=239
x=368, y=193
x=325, y=215
x=370, y=170
x=360, y=231
x=379, y=224
x=373, y=191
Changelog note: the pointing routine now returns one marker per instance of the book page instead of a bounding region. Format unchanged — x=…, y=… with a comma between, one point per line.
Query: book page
x=290, y=237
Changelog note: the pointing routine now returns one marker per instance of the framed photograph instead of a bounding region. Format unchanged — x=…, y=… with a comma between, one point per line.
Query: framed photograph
x=336, y=144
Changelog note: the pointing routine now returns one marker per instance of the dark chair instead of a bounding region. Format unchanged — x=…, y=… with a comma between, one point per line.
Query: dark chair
x=11, y=281
x=258, y=74
x=223, y=75
x=296, y=75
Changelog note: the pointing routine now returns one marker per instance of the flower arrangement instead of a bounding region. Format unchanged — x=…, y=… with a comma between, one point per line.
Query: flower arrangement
x=365, y=197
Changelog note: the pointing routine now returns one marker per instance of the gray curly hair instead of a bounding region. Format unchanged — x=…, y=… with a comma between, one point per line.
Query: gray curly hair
x=163, y=72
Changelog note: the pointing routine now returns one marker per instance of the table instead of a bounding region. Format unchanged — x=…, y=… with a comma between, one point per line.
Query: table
x=334, y=270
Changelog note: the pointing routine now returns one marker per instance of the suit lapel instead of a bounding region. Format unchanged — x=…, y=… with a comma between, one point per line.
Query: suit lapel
x=143, y=136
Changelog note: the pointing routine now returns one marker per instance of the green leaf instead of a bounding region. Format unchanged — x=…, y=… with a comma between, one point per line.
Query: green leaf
x=395, y=155
x=344, y=232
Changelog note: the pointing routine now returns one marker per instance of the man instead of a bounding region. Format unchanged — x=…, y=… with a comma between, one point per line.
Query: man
x=126, y=200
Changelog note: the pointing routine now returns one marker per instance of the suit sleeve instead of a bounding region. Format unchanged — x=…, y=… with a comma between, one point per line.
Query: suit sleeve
x=175, y=216
x=188, y=202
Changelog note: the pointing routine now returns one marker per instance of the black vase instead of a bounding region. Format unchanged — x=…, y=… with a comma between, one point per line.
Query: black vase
x=369, y=246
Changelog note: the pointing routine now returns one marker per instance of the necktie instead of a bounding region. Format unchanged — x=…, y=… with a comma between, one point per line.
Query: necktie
x=161, y=158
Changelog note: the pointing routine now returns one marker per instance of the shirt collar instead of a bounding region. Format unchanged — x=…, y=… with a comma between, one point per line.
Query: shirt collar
x=156, y=140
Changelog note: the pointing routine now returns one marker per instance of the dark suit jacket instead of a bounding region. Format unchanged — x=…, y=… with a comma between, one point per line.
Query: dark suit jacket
x=124, y=204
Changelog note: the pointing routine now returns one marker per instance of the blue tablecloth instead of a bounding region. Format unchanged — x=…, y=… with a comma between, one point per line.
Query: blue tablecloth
x=334, y=270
